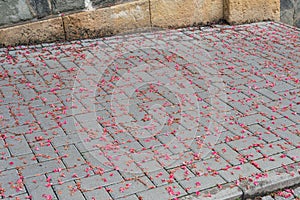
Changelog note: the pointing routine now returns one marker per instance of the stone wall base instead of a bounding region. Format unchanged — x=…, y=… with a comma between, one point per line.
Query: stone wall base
x=139, y=14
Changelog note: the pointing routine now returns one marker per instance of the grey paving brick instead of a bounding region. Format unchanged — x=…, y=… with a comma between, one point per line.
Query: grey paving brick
x=275, y=147
x=131, y=197
x=65, y=140
x=127, y=166
x=97, y=194
x=181, y=173
x=284, y=196
x=235, y=173
x=18, y=145
x=246, y=143
x=169, y=191
x=41, y=168
x=70, y=174
x=267, y=198
x=159, y=177
x=294, y=154
x=44, y=151
x=20, y=196
x=130, y=187
x=227, y=153
x=8, y=180
x=236, y=129
x=70, y=125
x=70, y=155
x=251, y=154
x=105, y=179
x=209, y=165
x=201, y=183
x=280, y=123
x=98, y=159
x=252, y=119
x=39, y=187
x=268, y=93
x=18, y=161
x=273, y=162
x=263, y=133
x=68, y=190
x=292, y=137
x=297, y=192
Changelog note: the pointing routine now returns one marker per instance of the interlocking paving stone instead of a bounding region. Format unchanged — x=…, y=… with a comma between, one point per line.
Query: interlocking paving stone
x=41, y=168
x=18, y=145
x=227, y=153
x=212, y=164
x=251, y=154
x=11, y=183
x=65, y=106
x=246, y=143
x=131, y=197
x=97, y=194
x=70, y=155
x=70, y=174
x=275, y=147
x=297, y=192
x=263, y=133
x=267, y=198
x=44, y=151
x=201, y=183
x=18, y=161
x=163, y=192
x=294, y=154
x=68, y=190
x=130, y=187
x=39, y=187
x=273, y=162
x=105, y=179
x=241, y=170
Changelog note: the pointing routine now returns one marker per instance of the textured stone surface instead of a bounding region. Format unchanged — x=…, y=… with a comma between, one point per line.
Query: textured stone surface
x=41, y=7
x=107, y=21
x=105, y=3
x=67, y=5
x=47, y=31
x=237, y=11
x=169, y=13
x=290, y=12
x=14, y=11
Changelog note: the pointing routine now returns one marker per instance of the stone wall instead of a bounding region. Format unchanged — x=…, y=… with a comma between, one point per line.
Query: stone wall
x=290, y=12
x=36, y=21
x=14, y=11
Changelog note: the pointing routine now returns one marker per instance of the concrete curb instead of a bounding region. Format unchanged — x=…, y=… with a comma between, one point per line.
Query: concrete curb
x=279, y=178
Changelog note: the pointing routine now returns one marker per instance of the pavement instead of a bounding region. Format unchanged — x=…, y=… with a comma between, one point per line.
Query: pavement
x=192, y=113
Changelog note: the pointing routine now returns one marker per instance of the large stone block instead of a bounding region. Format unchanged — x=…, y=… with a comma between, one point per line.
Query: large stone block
x=60, y=6
x=42, y=31
x=105, y=3
x=13, y=11
x=178, y=13
x=107, y=21
x=243, y=11
x=287, y=16
x=286, y=4
x=41, y=7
